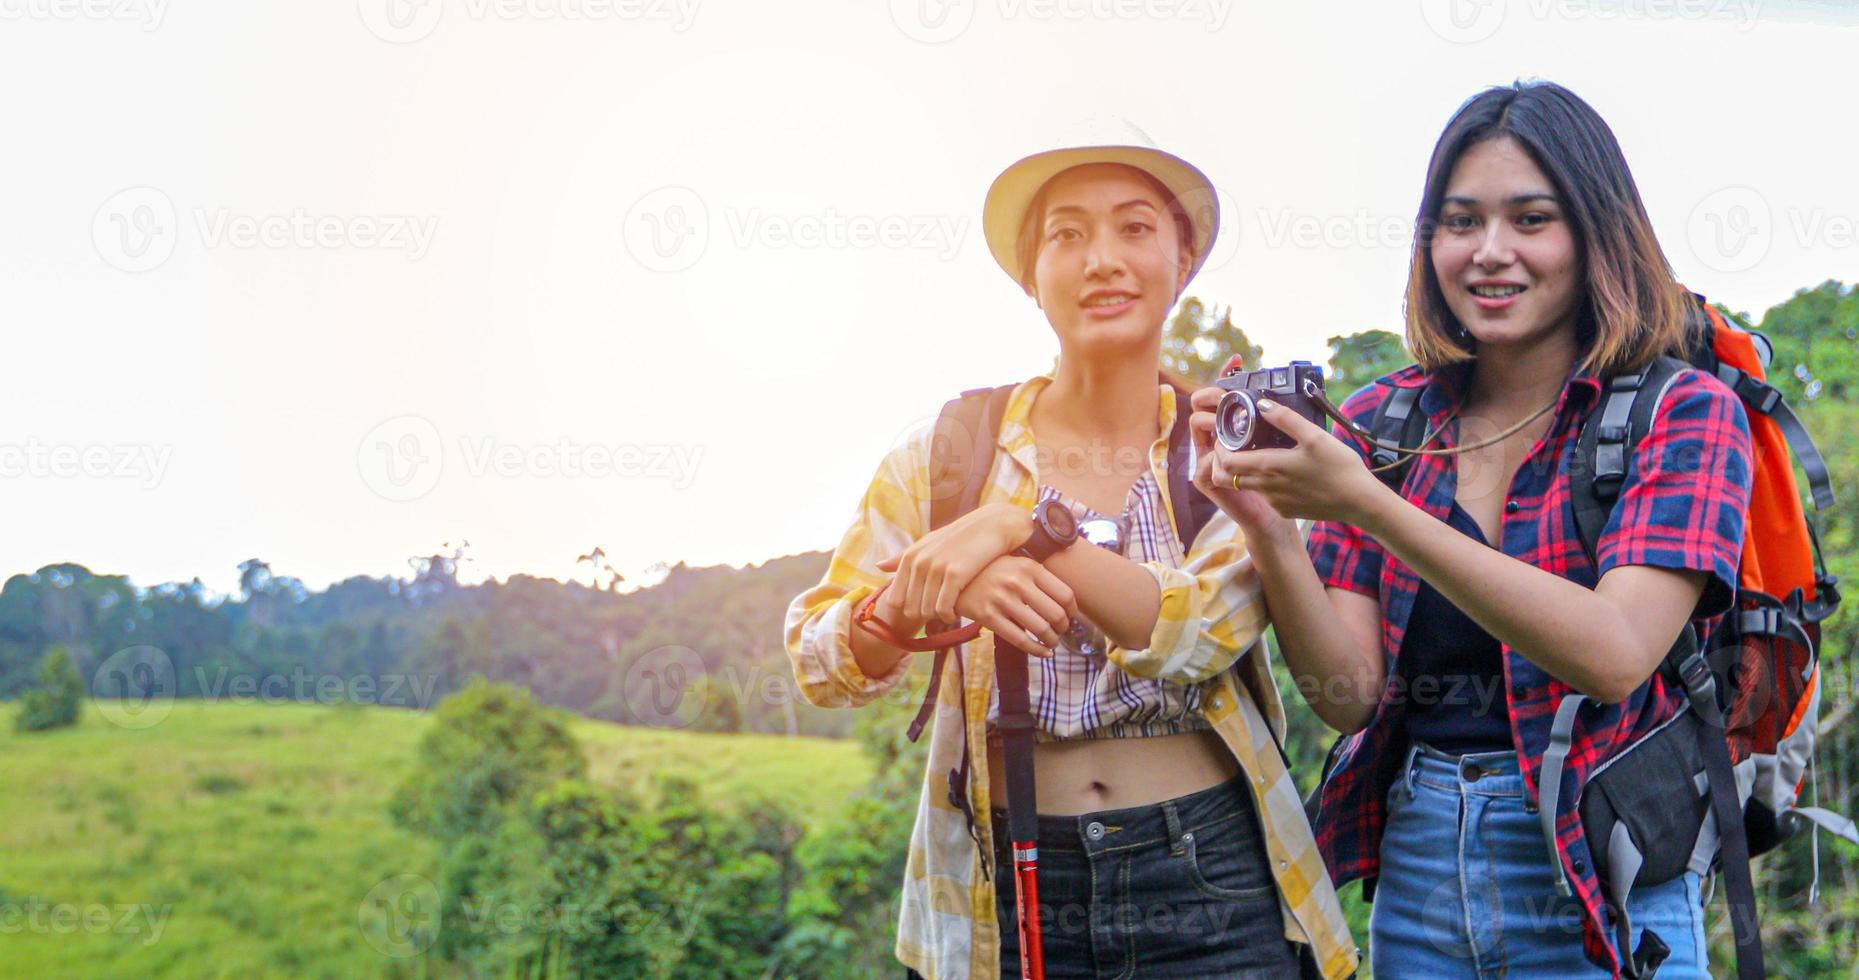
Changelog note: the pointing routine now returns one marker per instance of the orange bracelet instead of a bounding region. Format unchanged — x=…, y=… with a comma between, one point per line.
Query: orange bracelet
x=867, y=619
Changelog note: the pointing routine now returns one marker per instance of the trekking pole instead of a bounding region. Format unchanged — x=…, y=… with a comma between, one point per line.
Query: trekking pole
x=1016, y=728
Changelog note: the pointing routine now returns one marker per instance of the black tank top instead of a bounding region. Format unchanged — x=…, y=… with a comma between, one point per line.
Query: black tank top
x=1454, y=671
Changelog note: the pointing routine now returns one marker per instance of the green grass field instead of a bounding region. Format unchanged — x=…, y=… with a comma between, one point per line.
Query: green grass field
x=244, y=840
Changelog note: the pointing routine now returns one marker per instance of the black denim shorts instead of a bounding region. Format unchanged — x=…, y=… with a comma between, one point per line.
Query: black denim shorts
x=1181, y=888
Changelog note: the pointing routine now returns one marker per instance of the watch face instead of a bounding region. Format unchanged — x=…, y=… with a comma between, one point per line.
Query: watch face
x=1059, y=521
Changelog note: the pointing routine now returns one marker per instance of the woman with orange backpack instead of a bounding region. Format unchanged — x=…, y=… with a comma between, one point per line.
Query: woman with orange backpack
x=1444, y=624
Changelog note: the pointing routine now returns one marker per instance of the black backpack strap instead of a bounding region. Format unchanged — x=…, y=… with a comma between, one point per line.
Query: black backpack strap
x=1604, y=449
x=1761, y=397
x=1398, y=424
x=962, y=446
x=1700, y=686
x=1192, y=509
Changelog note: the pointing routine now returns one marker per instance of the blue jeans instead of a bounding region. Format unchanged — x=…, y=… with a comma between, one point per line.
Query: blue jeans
x=1466, y=888
x=1181, y=888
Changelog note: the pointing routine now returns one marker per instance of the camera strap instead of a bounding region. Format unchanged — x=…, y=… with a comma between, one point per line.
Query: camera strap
x=1398, y=455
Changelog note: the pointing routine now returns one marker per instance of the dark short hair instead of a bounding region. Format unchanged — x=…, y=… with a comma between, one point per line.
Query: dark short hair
x=1632, y=309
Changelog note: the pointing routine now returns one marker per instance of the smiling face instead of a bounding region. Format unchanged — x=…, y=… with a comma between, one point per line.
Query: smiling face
x=1504, y=253
x=1111, y=258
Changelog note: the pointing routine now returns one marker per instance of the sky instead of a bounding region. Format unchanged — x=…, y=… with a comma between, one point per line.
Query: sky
x=336, y=284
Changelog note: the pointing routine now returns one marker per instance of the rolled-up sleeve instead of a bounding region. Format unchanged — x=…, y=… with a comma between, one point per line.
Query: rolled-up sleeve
x=1682, y=503
x=1213, y=610
x=818, y=627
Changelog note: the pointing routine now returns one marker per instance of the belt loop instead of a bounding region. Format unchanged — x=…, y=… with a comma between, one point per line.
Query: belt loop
x=1413, y=767
x=1173, y=818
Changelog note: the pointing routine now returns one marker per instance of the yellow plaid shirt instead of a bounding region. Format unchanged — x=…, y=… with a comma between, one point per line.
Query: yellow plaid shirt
x=1211, y=618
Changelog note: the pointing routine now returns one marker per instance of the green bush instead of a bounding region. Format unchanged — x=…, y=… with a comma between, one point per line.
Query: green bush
x=545, y=874
x=54, y=702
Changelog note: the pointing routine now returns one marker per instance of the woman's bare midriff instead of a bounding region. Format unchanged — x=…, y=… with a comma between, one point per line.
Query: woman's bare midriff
x=1091, y=774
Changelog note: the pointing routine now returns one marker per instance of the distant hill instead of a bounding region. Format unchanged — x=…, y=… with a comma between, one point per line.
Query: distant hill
x=409, y=642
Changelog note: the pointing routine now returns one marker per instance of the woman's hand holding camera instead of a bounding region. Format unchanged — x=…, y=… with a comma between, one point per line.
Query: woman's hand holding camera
x=1319, y=479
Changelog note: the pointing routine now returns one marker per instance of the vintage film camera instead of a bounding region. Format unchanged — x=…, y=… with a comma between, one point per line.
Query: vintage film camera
x=1237, y=423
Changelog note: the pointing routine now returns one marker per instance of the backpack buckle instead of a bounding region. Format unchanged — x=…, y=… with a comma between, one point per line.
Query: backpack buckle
x=1700, y=684
x=1759, y=622
x=1759, y=395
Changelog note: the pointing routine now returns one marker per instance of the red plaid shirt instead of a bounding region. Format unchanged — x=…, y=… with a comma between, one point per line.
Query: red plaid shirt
x=1681, y=506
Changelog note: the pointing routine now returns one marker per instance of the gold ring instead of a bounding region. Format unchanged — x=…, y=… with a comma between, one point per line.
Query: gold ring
x=1236, y=481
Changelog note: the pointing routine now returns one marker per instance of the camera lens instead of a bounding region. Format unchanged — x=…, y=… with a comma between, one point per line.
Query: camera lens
x=1233, y=421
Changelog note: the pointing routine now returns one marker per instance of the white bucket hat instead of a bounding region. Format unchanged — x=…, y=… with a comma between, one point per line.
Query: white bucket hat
x=1101, y=139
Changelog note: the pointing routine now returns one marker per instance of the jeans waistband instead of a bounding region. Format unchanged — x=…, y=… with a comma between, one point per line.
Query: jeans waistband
x=1485, y=773
x=1137, y=826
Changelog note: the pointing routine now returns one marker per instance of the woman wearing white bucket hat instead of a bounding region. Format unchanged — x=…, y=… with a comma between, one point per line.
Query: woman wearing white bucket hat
x=1174, y=842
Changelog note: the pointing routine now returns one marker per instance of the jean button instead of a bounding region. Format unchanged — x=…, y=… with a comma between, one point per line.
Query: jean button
x=1472, y=772
x=1094, y=830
